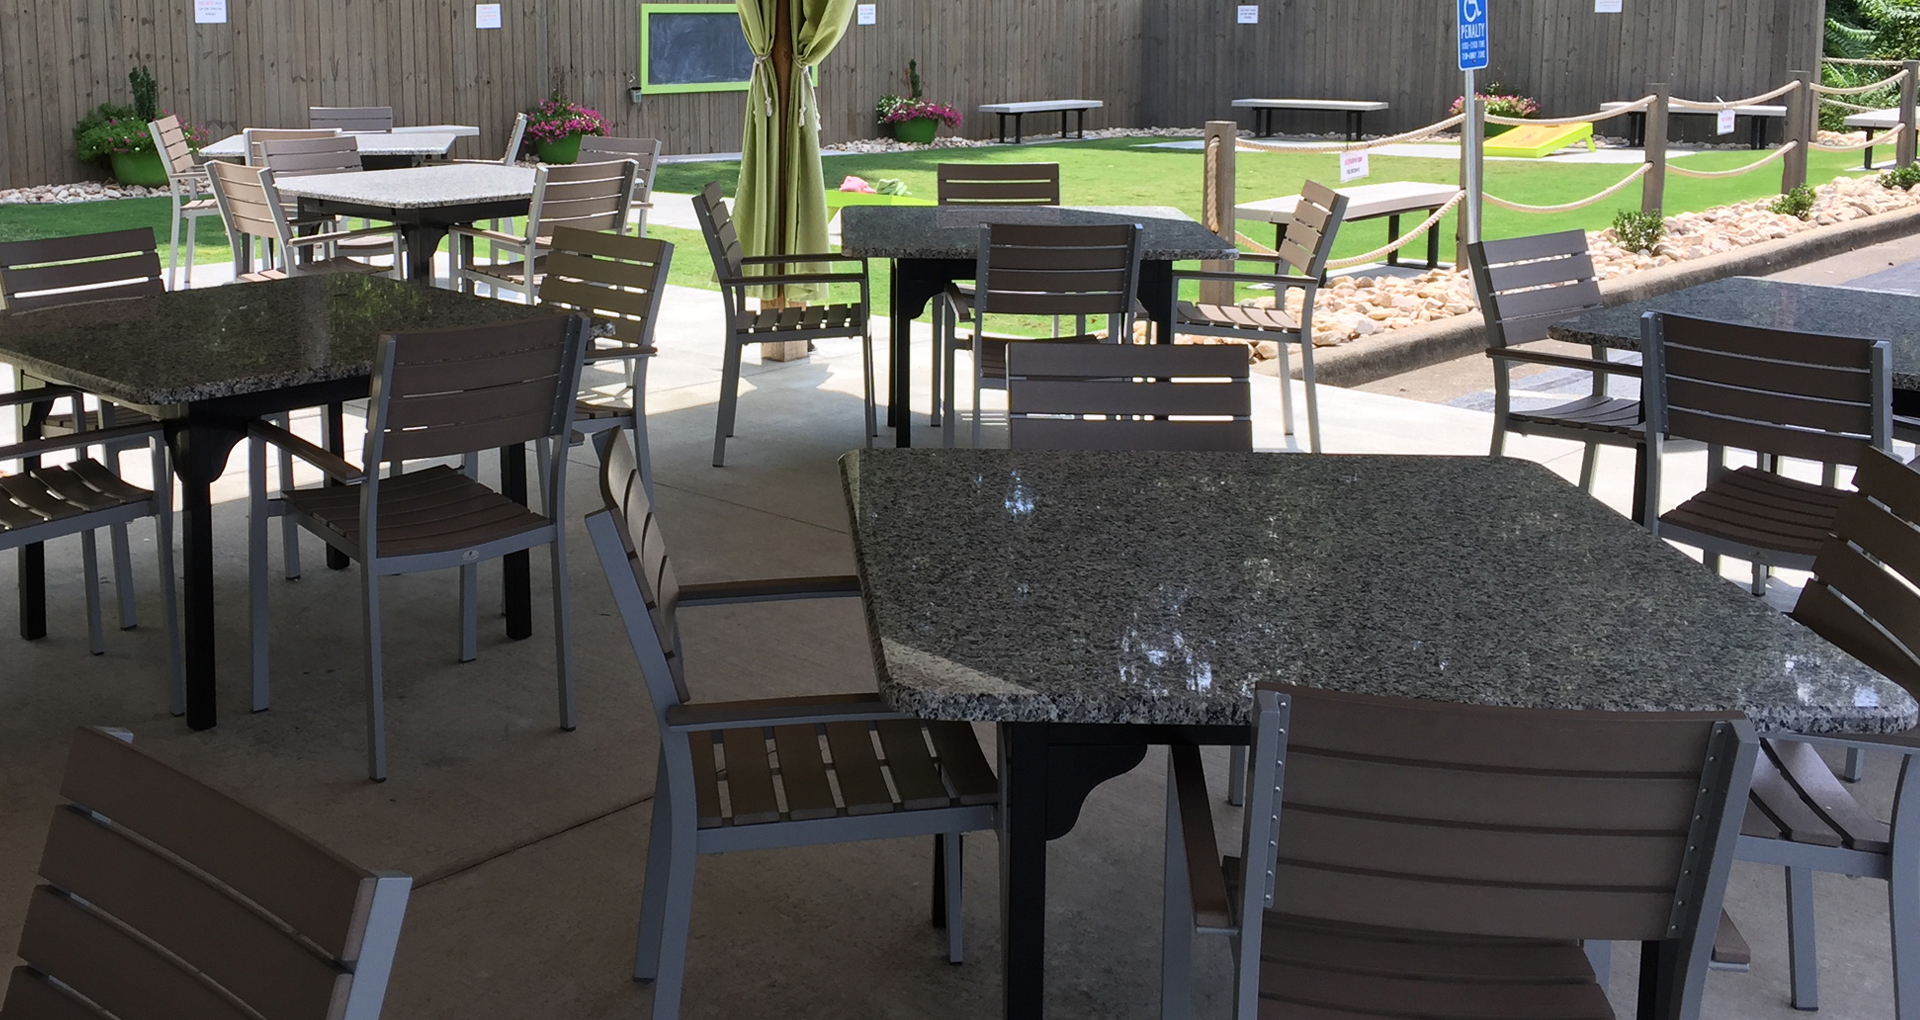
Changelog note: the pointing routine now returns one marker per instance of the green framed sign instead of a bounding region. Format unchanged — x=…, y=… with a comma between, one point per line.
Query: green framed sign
x=693, y=48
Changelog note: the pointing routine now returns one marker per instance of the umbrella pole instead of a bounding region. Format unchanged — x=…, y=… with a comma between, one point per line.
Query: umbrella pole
x=782, y=59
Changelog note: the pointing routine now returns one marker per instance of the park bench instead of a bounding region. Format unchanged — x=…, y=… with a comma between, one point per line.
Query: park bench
x=1757, y=117
x=1059, y=106
x=1872, y=121
x=1390, y=200
x=1353, y=108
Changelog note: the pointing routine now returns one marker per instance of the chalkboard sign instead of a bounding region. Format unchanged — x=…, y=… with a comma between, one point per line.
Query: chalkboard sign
x=693, y=48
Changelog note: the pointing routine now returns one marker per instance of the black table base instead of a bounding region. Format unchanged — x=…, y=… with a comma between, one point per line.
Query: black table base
x=1637, y=127
x=421, y=230
x=1263, y=121
x=1080, y=124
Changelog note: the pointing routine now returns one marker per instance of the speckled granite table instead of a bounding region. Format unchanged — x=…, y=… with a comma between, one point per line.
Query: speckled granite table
x=1095, y=603
x=932, y=246
x=422, y=201
x=375, y=147
x=205, y=361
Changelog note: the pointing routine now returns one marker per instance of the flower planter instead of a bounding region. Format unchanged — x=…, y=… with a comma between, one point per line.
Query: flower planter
x=919, y=130
x=142, y=168
x=564, y=150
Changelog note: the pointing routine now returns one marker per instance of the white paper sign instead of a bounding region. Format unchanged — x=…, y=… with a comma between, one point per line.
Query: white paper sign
x=1353, y=166
x=1249, y=14
x=1606, y=6
x=209, y=12
x=486, y=16
x=1725, y=125
x=864, y=14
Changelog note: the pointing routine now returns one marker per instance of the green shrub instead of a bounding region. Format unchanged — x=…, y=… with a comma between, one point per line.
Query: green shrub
x=1797, y=203
x=99, y=115
x=1903, y=178
x=1639, y=231
x=146, y=94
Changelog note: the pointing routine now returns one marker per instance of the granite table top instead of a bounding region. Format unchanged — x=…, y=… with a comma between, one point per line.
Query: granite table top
x=417, y=187
x=1801, y=307
x=953, y=232
x=1025, y=586
x=212, y=342
x=402, y=143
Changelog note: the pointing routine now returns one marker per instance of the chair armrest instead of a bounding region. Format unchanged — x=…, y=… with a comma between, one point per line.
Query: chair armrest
x=775, y=281
x=1565, y=361
x=78, y=440
x=777, y=589
x=819, y=256
x=491, y=235
x=336, y=467
x=42, y=394
x=306, y=240
x=819, y=708
x=1206, y=881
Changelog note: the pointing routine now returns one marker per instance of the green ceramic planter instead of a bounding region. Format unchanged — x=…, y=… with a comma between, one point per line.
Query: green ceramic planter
x=142, y=168
x=919, y=130
x=566, y=150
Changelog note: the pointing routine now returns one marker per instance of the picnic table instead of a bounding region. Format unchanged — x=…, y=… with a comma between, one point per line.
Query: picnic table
x=1757, y=118
x=1872, y=121
x=1539, y=597
x=1355, y=109
x=1079, y=107
x=424, y=202
x=1389, y=199
x=378, y=150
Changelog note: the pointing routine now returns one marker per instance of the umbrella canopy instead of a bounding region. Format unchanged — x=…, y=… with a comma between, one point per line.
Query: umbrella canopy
x=780, y=203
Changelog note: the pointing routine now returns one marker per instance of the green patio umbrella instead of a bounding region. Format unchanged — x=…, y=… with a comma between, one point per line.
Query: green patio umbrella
x=780, y=203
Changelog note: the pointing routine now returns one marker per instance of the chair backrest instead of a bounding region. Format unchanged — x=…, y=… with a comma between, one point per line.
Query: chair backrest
x=588, y=196
x=514, y=139
x=615, y=278
x=263, y=914
x=1856, y=597
x=645, y=153
x=998, y=183
x=1525, y=284
x=1317, y=216
x=310, y=157
x=1128, y=397
x=252, y=137
x=1475, y=820
x=1804, y=395
x=170, y=139
x=716, y=224
x=85, y=267
x=1027, y=269
x=633, y=555
x=351, y=118
x=249, y=203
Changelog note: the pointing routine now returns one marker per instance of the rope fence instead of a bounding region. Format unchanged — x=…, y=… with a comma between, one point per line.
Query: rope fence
x=1643, y=103
x=1675, y=168
x=1835, y=90
x=1399, y=242
x=1640, y=171
x=1728, y=104
x=1867, y=63
x=1885, y=138
x=1417, y=133
x=1855, y=107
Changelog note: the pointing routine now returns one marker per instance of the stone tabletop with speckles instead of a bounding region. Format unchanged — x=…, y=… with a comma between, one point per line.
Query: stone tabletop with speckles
x=417, y=187
x=213, y=342
x=1801, y=307
x=1025, y=586
x=953, y=231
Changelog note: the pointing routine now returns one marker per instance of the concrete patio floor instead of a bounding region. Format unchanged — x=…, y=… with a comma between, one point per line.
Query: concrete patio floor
x=528, y=844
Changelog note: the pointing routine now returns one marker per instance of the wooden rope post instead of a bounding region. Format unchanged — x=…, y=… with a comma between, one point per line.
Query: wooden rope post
x=1904, y=148
x=1216, y=203
x=1653, y=187
x=1802, y=114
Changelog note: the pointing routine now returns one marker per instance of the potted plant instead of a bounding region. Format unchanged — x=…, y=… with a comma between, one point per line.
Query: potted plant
x=555, y=126
x=914, y=119
x=119, y=135
x=1501, y=104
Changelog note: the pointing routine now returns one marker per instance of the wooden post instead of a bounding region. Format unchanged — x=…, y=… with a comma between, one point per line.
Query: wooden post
x=1904, y=148
x=1802, y=113
x=1653, y=187
x=1216, y=201
x=1473, y=133
x=782, y=60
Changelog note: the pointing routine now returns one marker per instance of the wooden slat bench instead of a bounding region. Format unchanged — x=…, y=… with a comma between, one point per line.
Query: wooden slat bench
x=1355, y=109
x=1390, y=199
x=1059, y=106
x=1757, y=117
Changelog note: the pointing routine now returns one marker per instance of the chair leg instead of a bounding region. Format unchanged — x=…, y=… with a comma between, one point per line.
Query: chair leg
x=193, y=225
x=1176, y=921
x=1600, y=957
x=1856, y=765
x=1502, y=402
x=169, y=598
x=939, y=330
x=289, y=530
x=653, y=894
x=1237, y=775
x=123, y=573
x=562, y=634
x=955, y=844
x=866, y=362
x=729, y=395
x=258, y=630
x=543, y=468
x=90, y=563
x=1587, y=463
x=978, y=375
x=668, y=920
x=173, y=244
x=1313, y=399
x=950, y=414
x=469, y=612
x=1804, y=960
x=376, y=682
x=1286, y=388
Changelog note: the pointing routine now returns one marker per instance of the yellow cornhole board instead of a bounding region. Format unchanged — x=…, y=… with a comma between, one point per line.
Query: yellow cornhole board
x=1535, y=141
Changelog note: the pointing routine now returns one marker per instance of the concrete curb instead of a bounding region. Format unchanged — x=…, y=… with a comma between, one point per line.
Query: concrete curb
x=1405, y=350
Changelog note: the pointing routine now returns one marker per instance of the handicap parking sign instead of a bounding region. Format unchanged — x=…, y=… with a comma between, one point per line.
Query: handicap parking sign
x=1473, y=34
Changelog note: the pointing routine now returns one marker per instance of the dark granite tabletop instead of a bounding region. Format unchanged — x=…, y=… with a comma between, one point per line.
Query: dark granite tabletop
x=1804, y=307
x=213, y=342
x=953, y=232
x=1156, y=588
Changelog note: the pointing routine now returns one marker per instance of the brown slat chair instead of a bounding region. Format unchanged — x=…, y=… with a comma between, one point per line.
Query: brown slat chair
x=1445, y=861
x=1801, y=816
x=998, y=183
x=38, y=503
x=1778, y=394
x=617, y=281
x=770, y=325
x=187, y=185
x=585, y=196
x=645, y=153
x=252, y=138
x=436, y=394
x=351, y=118
x=745, y=775
x=1087, y=272
x=313, y=157
x=1128, y=397
x=1524, y=285
x=252, y=209
x=163, y=897
x=1307, y=244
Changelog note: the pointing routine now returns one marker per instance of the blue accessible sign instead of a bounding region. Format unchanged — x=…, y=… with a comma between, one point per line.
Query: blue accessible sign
x=1473, y=34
